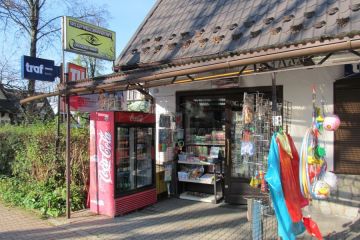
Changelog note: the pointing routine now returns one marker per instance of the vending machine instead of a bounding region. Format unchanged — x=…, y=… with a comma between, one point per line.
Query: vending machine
x=122, y=162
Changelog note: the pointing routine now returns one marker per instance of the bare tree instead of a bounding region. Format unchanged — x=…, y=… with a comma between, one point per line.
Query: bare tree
x=9, y=76
x=93, y=65
x=37, y=21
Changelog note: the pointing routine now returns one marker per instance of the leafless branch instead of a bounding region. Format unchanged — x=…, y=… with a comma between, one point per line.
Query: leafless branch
x=42, y=4
x=49, y=22
x=16, y=12
x=48, y=33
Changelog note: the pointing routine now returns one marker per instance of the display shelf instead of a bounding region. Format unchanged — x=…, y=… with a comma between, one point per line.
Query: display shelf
x=206, y=144
x=195, y=181
x=209, y=198
x=198, y=181
x=209, y=179
x=197, y=163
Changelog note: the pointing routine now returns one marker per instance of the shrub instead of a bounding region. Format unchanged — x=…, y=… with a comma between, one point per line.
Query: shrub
x=33, y=177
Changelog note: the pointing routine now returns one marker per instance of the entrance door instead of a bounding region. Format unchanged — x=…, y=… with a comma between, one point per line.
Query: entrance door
x=238, y=170
x=237, y=175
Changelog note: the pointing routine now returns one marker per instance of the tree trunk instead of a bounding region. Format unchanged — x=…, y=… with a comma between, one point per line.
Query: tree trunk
x=34, y=21
x=35, y=9
x=92, y=67
x=31, y=83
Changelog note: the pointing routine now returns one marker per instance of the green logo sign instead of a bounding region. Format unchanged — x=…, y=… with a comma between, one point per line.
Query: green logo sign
x=86, y=39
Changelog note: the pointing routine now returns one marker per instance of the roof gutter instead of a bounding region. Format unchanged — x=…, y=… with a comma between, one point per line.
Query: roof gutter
x=113, y=82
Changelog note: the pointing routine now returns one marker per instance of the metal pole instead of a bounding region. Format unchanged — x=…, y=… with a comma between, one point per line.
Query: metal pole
x=57, y=142
x=68, y=175
x=68, y=118
x=274, y=100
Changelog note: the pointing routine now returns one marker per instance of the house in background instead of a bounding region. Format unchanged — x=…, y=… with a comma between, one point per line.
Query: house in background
x=13, y=113
x=7, y=108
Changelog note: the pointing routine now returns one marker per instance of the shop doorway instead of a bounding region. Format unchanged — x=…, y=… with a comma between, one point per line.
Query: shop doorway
x=213, y=112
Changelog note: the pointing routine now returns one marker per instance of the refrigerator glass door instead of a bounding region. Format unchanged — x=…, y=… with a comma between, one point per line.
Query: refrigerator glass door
x=144, y=158
x=125, y=160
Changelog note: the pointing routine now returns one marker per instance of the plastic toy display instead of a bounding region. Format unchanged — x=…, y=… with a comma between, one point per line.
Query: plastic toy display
x=313, y=156
x=315, y=181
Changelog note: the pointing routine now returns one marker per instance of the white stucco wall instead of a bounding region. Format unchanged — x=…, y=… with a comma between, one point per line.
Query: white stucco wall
x=297, y=87
x=2, y=96
x=4, y=119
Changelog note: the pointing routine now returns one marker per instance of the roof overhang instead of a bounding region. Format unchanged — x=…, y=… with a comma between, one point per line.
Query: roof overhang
x=310, y=55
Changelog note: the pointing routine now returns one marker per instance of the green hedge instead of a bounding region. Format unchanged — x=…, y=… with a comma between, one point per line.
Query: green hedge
x=33, y=177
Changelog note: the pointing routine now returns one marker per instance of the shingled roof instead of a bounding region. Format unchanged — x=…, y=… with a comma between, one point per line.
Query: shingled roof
x=7, y=106
x=183, y=31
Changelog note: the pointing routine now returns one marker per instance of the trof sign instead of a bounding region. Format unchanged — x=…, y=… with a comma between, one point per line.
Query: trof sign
x=33, y=68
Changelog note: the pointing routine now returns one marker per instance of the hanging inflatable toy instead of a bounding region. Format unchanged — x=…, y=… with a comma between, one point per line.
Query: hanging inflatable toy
x=321, y=190
x=331, y=122
x=330, y=178
x=315, y=182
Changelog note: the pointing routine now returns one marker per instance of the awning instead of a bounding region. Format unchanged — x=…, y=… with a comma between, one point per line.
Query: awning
x=320, y=54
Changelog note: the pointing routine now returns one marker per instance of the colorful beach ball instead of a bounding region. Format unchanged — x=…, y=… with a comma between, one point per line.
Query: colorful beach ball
x=321, y=190
x=331, y=122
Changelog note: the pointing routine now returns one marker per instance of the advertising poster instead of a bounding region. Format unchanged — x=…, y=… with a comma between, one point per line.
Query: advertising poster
x=87, y=39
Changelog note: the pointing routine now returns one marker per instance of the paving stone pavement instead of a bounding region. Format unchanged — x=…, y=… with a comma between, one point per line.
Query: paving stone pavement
x=168, y=219
x=20, y=224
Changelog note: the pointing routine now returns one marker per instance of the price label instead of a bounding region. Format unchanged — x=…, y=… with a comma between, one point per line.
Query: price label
x=277, y=121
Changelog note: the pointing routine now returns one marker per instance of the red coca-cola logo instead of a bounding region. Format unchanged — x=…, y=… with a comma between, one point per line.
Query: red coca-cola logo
x=136, y=118
x=105, y=156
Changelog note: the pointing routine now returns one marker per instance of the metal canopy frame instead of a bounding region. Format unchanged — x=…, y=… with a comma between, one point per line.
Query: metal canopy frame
x=289, y=64
x=144, y=79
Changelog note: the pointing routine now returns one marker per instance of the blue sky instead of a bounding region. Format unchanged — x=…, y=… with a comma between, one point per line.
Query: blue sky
x=125, y=18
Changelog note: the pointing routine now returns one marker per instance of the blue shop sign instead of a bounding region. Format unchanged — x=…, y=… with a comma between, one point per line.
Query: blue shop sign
x=33, y=68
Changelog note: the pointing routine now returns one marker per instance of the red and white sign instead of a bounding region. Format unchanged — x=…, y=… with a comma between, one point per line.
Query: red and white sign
x=76, y=72
x=91, y=102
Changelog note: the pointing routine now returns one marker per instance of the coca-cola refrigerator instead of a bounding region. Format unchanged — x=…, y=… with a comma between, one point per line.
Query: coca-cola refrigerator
x=122, y=162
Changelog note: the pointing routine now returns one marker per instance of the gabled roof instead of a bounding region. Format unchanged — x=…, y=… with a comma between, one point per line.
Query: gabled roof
x=185, y=31
x=12, y=102
x=7, y=106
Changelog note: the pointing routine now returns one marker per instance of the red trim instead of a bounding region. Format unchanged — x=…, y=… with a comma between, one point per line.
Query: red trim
x=135, y=201
x=134, y=117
